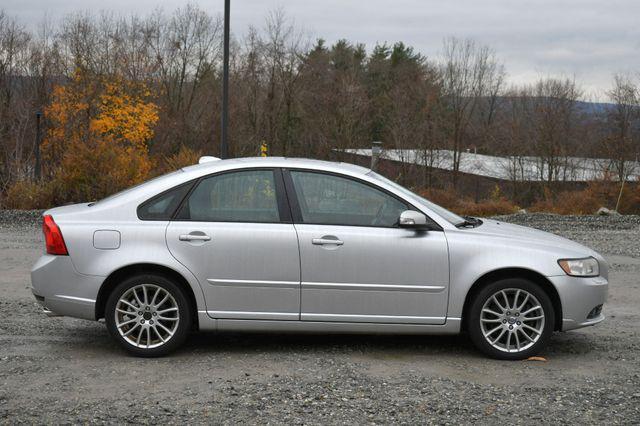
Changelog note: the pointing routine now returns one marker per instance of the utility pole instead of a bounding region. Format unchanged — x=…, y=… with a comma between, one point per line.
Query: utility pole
x=38, y=170
x=224, y=143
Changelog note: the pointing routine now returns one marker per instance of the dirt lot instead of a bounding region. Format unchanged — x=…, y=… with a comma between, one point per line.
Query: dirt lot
x=62, y=370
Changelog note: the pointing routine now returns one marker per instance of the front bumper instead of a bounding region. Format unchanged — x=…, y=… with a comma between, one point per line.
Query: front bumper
x=579, y=297
x=61, y=290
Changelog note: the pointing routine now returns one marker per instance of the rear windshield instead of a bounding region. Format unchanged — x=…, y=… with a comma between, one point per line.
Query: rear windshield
x=124, y=191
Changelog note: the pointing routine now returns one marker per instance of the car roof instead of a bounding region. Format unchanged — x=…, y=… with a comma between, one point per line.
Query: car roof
x=249, y=162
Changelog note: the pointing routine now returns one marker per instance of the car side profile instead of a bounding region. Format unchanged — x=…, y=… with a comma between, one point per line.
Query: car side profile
x=295, y=245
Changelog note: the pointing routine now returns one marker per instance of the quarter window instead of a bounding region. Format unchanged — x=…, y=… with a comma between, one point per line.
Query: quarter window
x=333, y=200
x=246, y=196
x=162, y=206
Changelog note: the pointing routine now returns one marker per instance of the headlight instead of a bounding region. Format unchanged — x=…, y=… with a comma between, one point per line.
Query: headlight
x=587, y=267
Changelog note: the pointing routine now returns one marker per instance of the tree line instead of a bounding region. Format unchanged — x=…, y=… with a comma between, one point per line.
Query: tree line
x=124, y=98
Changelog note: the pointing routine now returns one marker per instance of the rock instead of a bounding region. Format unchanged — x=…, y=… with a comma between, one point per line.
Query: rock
x=603, y=211
x=522, y=211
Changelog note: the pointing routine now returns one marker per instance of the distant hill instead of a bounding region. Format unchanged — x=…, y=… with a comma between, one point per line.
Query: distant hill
x=594, y=108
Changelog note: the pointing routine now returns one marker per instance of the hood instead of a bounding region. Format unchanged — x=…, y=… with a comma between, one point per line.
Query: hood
x=499, y=229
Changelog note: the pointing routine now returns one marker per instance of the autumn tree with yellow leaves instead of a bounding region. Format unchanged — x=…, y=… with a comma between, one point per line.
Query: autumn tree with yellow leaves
x=97, y=138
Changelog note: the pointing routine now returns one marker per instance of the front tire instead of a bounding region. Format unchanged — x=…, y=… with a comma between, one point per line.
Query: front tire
x=511, y=319
x=148, y=315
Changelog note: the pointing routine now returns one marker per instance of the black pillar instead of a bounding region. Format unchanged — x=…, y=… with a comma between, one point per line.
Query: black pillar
x=38, y=169
x=224, y=144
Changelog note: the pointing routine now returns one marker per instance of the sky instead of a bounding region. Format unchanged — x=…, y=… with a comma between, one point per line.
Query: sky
x=588, y=40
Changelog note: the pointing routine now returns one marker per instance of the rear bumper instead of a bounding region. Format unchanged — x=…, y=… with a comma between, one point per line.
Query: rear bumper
x=61, y=290
x=579, y=298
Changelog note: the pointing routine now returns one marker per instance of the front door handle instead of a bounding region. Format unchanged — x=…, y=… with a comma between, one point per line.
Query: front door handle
x=194, y=237
x=327, y=240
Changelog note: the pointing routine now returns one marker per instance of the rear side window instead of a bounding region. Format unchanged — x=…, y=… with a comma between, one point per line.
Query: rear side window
x=245, y=196
x=163, y=206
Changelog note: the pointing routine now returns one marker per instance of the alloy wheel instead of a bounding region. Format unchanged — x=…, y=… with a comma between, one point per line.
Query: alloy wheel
x=147, y=316
x=512, y=320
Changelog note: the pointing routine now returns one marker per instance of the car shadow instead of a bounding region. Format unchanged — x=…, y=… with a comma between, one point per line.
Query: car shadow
x=398, y=345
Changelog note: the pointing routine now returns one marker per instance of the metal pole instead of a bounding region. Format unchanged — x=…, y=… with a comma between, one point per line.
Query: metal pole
x=38, y=170
x=224, y=145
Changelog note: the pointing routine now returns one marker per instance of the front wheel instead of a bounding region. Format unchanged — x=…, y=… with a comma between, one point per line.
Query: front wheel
x=511, y=319
x=148, y=315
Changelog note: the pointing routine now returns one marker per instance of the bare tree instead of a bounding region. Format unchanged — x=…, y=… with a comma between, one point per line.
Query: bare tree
x=622, y=141
x=470, y=75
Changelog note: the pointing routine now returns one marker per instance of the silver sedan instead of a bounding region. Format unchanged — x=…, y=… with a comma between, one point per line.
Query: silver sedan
x=290, y=245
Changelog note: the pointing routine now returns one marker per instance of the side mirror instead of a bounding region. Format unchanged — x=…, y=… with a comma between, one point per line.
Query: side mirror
x=413, y=219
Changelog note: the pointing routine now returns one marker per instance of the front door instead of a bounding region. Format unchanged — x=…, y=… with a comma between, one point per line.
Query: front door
x=232, y=233
x=357, y=265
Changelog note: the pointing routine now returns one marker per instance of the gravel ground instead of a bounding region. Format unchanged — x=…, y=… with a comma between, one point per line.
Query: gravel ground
x=61, y=370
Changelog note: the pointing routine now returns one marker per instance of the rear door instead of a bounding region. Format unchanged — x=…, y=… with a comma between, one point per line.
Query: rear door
x=357, y=265
x=234, y=232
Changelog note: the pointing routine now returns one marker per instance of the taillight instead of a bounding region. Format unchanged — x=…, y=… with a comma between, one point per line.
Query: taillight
x=53, y=237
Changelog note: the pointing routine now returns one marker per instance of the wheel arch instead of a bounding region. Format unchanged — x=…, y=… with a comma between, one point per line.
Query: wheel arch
x=505, y=273
x=120, y=274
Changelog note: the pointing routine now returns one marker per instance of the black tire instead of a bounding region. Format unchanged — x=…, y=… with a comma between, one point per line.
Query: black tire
x=474, y=325
x=184, y=313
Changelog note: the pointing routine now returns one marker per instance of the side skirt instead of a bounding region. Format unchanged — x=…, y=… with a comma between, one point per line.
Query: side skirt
x=451, y=326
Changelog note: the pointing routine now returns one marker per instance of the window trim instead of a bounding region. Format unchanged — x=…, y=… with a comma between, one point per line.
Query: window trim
x=297, y=212
x=160, y=195
x=284, y=211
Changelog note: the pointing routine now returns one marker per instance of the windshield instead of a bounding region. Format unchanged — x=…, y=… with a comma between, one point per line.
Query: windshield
x=450, y=217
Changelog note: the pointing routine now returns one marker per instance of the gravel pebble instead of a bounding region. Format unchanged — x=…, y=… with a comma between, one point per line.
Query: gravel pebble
x=62, y=370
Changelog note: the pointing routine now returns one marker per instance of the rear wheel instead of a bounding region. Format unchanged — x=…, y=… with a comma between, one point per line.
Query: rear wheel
x=511, y=319
x=149, y=315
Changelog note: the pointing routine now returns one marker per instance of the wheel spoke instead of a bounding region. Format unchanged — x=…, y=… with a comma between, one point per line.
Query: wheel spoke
x=167, y=318
x=135, y=308
x=489, y=311
x=532, y=318
x=153, y=299
x=165, y=329
x=515, y=334
x=122, y=324
x=491, y=320
x=139, y=336
x=144, y=294
x=515, y=299
x=489, y=333
x=506, y=299
x=164, y=311
x=502, y=308
x=508, y=345
x=528, y=311
x=122, y=311
x=135, y=294
x=525, y=335
x=499, y=336
x=164, y=299
x=155, y=329
x=531, y=328
x=524, y=302
x=131, y=329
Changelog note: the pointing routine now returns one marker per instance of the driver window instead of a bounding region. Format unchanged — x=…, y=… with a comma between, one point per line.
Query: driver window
x=333, y=200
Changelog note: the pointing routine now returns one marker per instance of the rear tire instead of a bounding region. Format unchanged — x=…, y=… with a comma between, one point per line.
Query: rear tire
x=511, y=319
x=148, y=315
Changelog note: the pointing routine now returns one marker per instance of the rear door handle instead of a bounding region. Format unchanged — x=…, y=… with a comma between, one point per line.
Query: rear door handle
x=326, y=241
x=194, y=237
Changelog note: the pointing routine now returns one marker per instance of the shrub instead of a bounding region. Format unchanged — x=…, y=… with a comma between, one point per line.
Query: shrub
x=496, y=205
x=25, y=195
